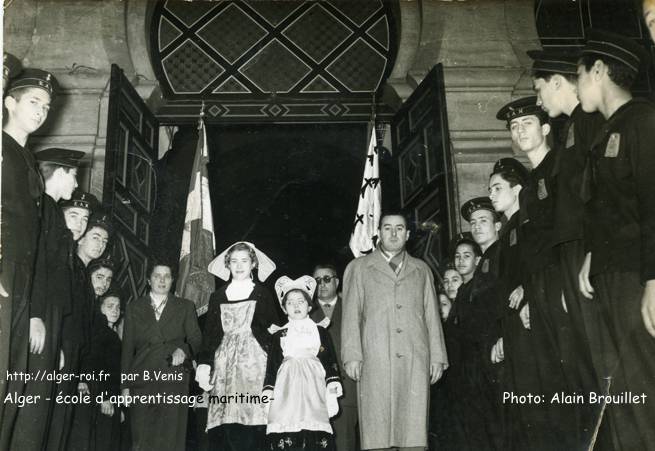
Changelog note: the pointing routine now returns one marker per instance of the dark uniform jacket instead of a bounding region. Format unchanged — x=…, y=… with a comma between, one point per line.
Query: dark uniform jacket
x=22, y=188
x=537, y=215
x=265, y=315
x=104, y=355
x=568, y=169
x=489, y=262
x=52, y=273
x=620, y=188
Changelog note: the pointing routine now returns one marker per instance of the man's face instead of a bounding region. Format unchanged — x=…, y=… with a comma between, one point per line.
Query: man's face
x=67, y=181
x=393, y=233
x=465, y=260
x=30, y=111
x=551, y=94
x=101, y=280
x=76, y=220
x=326, y=290
x=484, y=227
x=649, y=17
x=502, y=195
x=589, y=87
x=527, y=133
x=93, y=243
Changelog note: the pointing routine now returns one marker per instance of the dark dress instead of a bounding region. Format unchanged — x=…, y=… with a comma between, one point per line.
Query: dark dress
x=236, y=435
x=21, y=193
x=148, y=344
x=299, y=383
x=51, y=295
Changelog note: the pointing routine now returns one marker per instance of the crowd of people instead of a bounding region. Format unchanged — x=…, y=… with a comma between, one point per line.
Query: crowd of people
x=549, y=300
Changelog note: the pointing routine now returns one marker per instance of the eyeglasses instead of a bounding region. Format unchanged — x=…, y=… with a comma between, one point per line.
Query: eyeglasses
x=324, y=279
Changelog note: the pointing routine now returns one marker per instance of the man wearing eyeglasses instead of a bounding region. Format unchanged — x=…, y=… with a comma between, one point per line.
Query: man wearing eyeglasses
x=329, y=306
x=392, y=341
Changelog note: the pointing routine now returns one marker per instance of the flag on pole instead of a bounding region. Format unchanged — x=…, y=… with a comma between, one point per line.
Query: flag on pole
x=198, y=245
x=365, y=227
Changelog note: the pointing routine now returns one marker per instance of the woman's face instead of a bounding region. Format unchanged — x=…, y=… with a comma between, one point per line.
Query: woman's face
x=451, y=282
x=161, y=280
x=296, y=305
x=111, y=308
x=241, y=265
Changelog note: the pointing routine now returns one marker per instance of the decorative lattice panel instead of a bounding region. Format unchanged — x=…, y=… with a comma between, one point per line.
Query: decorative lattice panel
x=274, y=59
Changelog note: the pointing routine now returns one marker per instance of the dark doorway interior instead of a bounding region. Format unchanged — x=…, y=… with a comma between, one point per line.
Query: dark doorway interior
x=290, y=189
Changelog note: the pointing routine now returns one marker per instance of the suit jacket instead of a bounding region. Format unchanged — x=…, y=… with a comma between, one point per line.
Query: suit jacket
x=148, y=343
x=334, y=329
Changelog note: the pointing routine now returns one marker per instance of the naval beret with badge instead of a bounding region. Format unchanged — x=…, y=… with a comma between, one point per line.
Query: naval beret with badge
x=80, y=199
x=615, y=47
x=513, y=167
x=11, y=66
x=102, y=220
x=548, y=61
x=475, y=204
x=525, y=106
x=61, y=157
x=35, y=78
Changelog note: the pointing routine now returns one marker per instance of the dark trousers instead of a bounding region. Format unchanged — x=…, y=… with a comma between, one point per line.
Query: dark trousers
x=589, y=333
x=14, y=342
x=550, y=335
x=33, y=420
x=62, y=417
x=633, y=424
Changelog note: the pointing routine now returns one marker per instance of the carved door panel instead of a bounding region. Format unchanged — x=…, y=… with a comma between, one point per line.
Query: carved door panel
x=422, y=144
x=129, y=184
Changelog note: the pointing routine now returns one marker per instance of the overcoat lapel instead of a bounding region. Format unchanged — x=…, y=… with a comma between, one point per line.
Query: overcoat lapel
x=380, y=264
x=169, y=312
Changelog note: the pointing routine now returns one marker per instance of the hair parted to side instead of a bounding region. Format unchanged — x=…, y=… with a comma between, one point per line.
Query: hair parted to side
x=241, y=247
x=619, y=73
x=477, y=250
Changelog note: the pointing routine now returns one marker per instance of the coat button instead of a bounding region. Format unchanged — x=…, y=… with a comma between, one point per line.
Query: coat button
x=398, y=354
x=398, y=306
x=399, y=330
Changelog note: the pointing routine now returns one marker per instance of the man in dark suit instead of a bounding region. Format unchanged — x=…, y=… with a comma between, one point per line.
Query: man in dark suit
x=329, y=306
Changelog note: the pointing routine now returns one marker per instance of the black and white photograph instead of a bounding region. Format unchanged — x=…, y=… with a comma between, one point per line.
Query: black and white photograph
x=327, y=225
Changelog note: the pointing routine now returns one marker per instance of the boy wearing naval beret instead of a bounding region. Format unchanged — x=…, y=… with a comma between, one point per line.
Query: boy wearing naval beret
x=27, y=103
x=50, y=298
x=619, y=268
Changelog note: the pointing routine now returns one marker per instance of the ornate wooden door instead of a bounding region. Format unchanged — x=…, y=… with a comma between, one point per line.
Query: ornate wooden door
x=422, y=144
x=129, y=189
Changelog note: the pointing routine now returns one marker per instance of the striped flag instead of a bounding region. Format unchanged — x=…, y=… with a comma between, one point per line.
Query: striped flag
x=365, y=227
x=198, y=245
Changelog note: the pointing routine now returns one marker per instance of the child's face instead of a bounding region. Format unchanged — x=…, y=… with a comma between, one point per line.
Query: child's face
x=296, y=305
x=31, y=111
x=111, y=308
x=240, y=265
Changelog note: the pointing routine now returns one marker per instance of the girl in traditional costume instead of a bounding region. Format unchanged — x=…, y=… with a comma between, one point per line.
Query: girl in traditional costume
x=236, y=341
x=302, y=376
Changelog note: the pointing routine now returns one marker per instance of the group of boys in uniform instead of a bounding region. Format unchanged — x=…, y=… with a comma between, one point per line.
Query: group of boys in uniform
x=574, y=260
x=50, y=232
